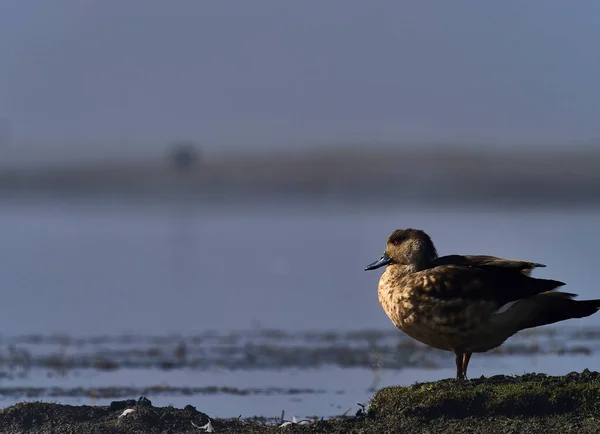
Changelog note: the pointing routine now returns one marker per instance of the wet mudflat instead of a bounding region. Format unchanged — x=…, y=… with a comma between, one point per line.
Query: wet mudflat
x=528, y=403
x=63, y=359
x=258, y=373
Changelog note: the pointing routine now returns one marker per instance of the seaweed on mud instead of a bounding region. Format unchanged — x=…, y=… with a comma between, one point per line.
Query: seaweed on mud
x=50, y=417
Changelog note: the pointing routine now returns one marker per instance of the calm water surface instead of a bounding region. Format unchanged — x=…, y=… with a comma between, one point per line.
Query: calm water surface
x=89, y=268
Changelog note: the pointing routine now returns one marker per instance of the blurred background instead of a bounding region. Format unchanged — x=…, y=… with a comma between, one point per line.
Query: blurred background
x=189, y=191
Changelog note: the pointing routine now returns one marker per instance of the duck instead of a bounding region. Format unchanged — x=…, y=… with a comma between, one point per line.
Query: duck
x=466, y=303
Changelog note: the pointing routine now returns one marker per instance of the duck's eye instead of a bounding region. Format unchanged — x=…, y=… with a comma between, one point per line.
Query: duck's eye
x=395, y=242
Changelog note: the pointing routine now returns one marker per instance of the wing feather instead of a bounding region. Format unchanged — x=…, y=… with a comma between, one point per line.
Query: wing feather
x=491, y=283
x=483, y=261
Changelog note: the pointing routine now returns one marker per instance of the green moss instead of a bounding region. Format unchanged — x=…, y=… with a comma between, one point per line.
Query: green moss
x=528, y=395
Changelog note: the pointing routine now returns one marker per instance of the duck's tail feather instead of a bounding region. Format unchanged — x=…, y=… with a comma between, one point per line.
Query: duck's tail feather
x=551, y=307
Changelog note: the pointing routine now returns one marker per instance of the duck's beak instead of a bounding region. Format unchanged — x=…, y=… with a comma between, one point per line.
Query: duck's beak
x=384, y=260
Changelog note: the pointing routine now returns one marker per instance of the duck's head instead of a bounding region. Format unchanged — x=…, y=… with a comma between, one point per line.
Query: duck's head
x=407, y=247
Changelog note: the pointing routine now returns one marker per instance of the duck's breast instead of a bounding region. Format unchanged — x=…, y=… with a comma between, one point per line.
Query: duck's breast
x=444, y=323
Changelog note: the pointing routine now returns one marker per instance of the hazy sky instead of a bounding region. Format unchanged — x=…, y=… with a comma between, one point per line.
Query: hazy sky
x=94, y=74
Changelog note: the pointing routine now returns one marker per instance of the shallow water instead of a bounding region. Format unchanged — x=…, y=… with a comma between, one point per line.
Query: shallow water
x=83, y=275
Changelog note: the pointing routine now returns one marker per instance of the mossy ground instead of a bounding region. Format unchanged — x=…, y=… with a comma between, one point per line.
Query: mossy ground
x=529, y=403
x=500, y=404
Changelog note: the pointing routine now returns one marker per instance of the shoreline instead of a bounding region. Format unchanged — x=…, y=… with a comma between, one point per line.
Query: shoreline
x=528, y=177
x=527, y=403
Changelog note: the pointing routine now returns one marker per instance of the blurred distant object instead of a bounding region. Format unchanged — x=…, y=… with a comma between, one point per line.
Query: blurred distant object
x=183, y=155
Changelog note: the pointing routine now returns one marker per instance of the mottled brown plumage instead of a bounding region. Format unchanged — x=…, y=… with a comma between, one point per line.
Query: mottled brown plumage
x=466, y=304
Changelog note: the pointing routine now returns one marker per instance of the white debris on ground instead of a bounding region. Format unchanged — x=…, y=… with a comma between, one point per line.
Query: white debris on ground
x=294, y=421
x=208, y=427
x=126, y=412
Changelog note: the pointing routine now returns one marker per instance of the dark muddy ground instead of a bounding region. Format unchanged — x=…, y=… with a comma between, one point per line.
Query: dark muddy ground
x=528, y=403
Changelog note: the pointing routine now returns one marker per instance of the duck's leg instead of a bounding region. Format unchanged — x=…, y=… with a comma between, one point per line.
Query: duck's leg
x=459, y=364
x=465, y=363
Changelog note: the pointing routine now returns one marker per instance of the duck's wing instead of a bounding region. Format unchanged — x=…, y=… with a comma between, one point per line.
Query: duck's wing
x=488, y=262
x=493, y=283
